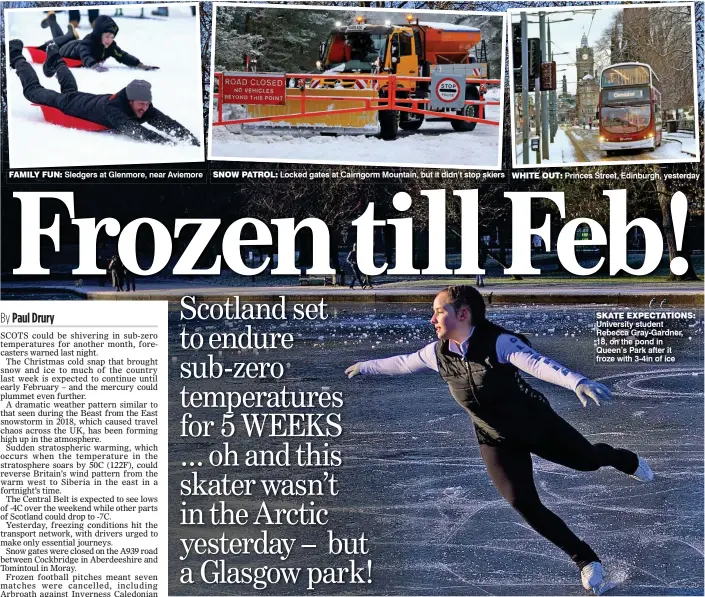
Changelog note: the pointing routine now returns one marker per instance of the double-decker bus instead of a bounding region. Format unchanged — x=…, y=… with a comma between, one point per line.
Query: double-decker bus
x=629, y=107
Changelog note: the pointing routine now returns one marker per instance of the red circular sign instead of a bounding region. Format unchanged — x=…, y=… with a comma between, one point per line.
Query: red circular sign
x=447, y=90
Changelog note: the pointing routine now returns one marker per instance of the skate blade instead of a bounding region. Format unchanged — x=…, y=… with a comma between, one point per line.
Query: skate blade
x=603, y=587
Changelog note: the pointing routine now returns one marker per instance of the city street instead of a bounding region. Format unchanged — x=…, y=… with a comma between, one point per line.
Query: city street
x=576, y=145
x=586, y=142
x=617, y=87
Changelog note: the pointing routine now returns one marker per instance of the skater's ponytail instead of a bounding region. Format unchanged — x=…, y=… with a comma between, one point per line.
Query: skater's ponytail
x=467, y=296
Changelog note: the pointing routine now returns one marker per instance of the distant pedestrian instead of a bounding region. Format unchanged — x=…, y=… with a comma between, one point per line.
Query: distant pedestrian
x=117, y=273
x=590, y=123
x=481, y=261
x=129, y=280
x=357, y=274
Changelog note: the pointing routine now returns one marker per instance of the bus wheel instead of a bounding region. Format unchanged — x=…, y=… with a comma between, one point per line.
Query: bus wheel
x=472, y=110
x=388, y=124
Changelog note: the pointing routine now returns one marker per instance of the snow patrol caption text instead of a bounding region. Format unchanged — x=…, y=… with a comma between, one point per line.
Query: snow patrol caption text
x=220, y=175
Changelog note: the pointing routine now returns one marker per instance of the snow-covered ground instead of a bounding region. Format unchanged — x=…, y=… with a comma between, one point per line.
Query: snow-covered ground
x=171, y=43
x=584, y=148
x=688, y=142
x=434, y=144
x=561, y=151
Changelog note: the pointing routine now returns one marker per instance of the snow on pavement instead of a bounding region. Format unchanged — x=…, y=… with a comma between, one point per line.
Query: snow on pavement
x=435, y=144
x=561, y=151
x=688, y=142
x=171, y=43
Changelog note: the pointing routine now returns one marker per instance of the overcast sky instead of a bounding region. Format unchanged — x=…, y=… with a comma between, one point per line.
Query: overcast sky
x=566, y=36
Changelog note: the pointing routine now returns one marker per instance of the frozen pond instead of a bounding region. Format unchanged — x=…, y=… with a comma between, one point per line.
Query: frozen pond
x=413, y=481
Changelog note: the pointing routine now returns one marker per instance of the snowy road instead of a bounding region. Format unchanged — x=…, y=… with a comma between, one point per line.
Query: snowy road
x=579, y=146
x=435, y=144
x=171, y=43
x=587, y=143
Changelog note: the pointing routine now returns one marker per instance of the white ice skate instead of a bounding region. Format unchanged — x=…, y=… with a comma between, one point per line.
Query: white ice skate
x=643, y=472
x=593, y=577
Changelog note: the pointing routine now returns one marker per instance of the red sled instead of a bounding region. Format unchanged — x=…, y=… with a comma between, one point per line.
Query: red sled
x=56, y=116
x=39, y=57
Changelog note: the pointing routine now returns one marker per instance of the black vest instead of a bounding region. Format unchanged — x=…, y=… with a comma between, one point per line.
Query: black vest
x=501, y=404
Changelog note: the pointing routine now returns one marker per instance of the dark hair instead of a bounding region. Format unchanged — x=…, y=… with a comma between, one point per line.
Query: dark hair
x=467, y=296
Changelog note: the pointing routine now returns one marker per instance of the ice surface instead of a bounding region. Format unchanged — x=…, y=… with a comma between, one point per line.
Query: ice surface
x=413, y=480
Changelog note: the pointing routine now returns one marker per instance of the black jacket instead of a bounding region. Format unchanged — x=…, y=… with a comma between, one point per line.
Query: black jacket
x=501, y=404
x=91, y=51
x=114, y=112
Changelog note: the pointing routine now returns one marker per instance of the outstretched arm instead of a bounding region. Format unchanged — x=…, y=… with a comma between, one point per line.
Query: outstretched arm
x=165, y=124
x=511, y=349
x=123, y=57
x=422, y=360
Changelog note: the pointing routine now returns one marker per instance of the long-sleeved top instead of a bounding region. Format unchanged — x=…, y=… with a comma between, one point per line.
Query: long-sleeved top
x=114, y=112
x=90, y=50
x=510, y=349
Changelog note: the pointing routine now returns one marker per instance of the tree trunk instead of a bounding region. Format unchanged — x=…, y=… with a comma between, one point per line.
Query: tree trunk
x=502, y=257
x=664, y=200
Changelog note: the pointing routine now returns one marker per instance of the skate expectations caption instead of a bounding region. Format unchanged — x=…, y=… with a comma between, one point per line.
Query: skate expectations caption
x=238, y=235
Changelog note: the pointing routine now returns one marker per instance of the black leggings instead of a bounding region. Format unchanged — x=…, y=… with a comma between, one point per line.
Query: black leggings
x=35, y=93
x=510, y=468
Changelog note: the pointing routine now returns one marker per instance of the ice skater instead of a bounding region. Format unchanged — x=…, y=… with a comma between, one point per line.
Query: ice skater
x=123, y=111
x=480, y=362
x=94, y=48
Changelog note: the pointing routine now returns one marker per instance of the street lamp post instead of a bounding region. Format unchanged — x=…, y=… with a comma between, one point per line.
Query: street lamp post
x=544, y=95
x=552, y=93
x=547, y=97
x=525, y=86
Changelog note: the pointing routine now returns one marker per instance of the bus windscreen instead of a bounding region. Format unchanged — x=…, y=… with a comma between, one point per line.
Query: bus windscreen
x=630, y=74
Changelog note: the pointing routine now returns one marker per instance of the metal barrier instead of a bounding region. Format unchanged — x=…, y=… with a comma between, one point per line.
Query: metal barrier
x=386, y=85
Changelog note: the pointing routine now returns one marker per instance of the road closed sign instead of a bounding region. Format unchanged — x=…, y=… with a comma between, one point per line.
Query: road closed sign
x=447, y=90
x=253, y=88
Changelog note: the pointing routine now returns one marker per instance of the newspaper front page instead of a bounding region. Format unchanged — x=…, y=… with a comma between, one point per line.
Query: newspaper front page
x=351, y=298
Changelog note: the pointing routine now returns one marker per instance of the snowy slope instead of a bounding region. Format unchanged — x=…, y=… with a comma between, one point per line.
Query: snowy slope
x=171, y=43
x=435, y=144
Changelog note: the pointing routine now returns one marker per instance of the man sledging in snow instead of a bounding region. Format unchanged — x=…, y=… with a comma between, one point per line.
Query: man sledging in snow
x=123, y=111
x=95, y=48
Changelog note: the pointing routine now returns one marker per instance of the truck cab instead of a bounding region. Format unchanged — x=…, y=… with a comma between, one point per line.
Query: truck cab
x=371, y=49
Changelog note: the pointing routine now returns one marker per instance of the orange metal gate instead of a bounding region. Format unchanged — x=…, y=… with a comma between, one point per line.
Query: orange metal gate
x=386, y=84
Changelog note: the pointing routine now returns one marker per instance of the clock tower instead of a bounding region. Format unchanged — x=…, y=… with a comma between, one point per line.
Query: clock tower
x=587, y=88
x=584, y=59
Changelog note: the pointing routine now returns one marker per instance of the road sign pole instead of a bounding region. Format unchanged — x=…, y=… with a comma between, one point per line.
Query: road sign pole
x=544, y=94
x=552, y=94
x=525, y=85
x=537, y=117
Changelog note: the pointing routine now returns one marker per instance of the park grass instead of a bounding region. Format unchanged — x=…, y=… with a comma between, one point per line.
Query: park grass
x=538, y=280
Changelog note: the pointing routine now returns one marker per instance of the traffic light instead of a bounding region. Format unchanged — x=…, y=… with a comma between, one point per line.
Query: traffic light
x=516, y=45
x=534, y=57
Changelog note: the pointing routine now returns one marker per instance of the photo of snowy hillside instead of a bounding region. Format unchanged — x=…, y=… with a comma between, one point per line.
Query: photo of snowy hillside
x=164, y=40
x=330, y=112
